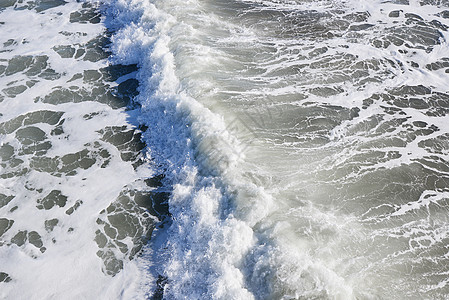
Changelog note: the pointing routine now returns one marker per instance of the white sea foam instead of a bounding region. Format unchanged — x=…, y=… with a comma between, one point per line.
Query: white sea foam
x=59, y=260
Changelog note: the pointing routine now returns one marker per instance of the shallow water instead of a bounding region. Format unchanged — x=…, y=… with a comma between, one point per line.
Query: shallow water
x=225, y=150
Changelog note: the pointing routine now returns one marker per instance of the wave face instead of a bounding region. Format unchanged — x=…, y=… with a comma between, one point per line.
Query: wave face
x=208, y=149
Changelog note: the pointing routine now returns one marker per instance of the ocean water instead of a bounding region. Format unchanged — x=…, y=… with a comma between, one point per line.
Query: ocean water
x=210, y=149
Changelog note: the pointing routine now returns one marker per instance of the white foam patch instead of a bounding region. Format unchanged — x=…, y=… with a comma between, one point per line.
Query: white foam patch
x=68, y=267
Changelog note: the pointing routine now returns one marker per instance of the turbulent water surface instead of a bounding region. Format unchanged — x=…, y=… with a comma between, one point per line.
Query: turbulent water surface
x=212, y=149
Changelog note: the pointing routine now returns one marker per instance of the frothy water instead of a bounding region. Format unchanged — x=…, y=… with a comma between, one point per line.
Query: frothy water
x=224, y=150
x=73, y=195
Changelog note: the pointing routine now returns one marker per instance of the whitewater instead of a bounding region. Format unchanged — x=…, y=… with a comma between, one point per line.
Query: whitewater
x=210, y=149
